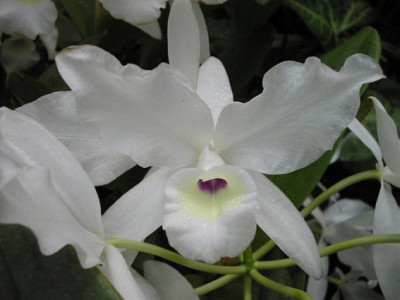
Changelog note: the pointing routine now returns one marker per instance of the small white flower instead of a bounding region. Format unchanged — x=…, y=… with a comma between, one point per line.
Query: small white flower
x=44, y=188
x=30, y=19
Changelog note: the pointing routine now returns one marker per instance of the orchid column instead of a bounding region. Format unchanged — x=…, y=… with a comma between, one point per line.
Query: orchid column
x=207, y=188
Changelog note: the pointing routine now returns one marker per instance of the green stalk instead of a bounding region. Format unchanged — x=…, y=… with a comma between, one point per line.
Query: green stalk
x=175, y=257
x=278, y=287
x=216, y=284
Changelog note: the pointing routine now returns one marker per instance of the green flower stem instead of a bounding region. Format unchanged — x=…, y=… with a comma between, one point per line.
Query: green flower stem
x=344, y=183
x=175, y=257
x=216, y=284
x=333, y=280
x=361, y=241
x=246, y=287
x=278, y=287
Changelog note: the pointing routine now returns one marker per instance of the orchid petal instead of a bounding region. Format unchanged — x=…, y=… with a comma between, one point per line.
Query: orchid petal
x=27, y=143
x=286, y=127
x=317, y=288
x=147, y=289
x=58, y=113
x=213, y=86
x=117, y=271
x=184, y=40
x=209, y=214
x=363, y=134
x=388, y=137
x=169, y=283
x=283, y=223
x=152, y=28
x=49, y=40
x=18, y=54
x=27, y=18
x=139, y=211
x=168, y=124
x=387, y=256
x=135, y=12
x=204, y=42
x=359, y=290
x=31, y=199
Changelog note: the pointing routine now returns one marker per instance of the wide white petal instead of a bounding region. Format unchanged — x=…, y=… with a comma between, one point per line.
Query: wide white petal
x=363, y=134
x=117, y=271
x=184, y=40
x=388, y=137
x=139, y=211
x=152, y=116
x=18, y=54
x=31, y=199
x=283, y=223
x=344, y=210
x=135, y=12
x=168, y=282
x=387, y=256
x=27, y=18
x=213, y=86
x=58, y=113
x=207, y=222
x=299, y=115
x=27, y=143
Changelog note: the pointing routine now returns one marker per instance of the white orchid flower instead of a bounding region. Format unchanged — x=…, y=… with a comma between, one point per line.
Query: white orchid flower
x=18, y=54
x=387, y=217
x=207, y=189
x=140, y=13
x=30, y=19
x=44, y=188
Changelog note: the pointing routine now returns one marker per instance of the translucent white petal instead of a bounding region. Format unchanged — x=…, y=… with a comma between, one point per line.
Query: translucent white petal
x=283, y=223
x=184, y=40
x=18, y=54
x=31, y=199
x=213, y=86
x=117, y=271
x=299, y=115
x=387, y=256
x=58, y=113
x=210, y=214
x=135, y=12
x=388, y=137
x=148, y=290
x=363, y=134
x=139, y=211
x=317, y=288
x=151, y=28
x=168, y=282
x=27, y=143
x=152, y=116
x=27, y=18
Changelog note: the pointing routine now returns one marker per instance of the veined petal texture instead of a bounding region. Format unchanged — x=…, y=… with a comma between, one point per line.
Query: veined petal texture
x=27, y=143
x=299, y=115
x=57, y=112
x=152, y=116
x=31, y=199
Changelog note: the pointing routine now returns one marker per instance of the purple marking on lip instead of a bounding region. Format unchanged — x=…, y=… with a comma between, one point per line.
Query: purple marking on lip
x=212, y=186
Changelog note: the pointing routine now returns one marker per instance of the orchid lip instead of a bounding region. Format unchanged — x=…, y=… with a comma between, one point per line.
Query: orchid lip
x=212, y=186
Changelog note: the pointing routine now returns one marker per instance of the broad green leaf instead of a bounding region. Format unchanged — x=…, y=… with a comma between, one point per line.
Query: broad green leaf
x=26, y=274
x=328, y=19
x=52, y=79
x=299, y=184
x=25, y=88
x=83, y=15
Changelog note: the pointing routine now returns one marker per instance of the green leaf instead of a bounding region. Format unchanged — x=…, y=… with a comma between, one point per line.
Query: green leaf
x=26, y=274
x=25, y=88
x=327, y=19
x=83, y=15
x=299, y=184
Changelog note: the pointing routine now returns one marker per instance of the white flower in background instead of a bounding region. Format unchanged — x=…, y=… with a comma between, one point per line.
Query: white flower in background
x=343, y=220
x=18, y=54
x=207, y=189
x=387, y=214
x=140, y=13
x=44, y=188
x=30, y=19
